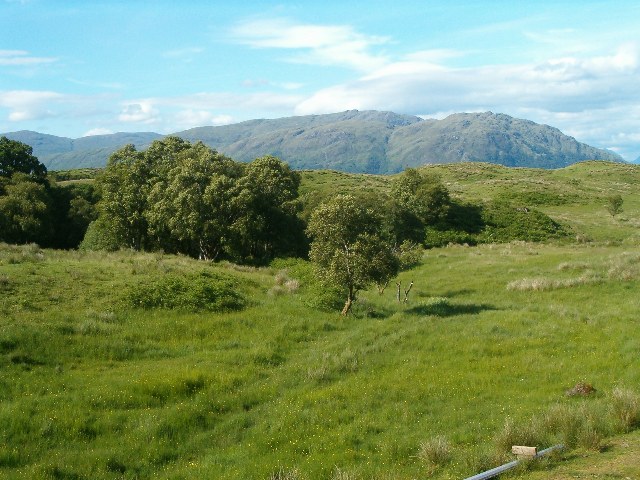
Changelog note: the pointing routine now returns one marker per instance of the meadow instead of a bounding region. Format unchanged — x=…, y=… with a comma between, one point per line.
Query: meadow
x=255, y=378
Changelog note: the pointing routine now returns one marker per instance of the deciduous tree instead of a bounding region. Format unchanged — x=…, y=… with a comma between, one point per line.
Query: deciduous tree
x=349, y=247
x=24, y=211
x=17, y=157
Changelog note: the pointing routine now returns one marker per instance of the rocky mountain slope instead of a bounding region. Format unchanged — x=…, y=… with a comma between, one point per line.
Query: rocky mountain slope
x=351, y=141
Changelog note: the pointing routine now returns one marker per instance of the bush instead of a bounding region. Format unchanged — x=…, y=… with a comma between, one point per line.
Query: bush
x=525, y=433
x=434, y=237
x=204, y=291
x=436, y=451
x=625, y=405
x=315, y=293
x=505, y=223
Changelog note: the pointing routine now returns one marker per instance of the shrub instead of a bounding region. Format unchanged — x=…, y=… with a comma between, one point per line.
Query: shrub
x=436, y=451
x=512, y=433
x=625, y=405
x=504, y=223
x=284, y=284
x=315, y=293
x=434, y=237
x=282, y=474
x=204, y=291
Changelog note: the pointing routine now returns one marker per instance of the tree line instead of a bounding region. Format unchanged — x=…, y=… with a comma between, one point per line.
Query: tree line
x=186, y=198
x=35, y=210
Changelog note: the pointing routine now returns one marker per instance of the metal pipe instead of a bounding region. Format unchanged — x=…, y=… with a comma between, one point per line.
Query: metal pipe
x=494, y=472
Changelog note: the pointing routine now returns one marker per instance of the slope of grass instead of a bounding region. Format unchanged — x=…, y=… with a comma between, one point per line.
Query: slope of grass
x=575, y=196
x=92, y=387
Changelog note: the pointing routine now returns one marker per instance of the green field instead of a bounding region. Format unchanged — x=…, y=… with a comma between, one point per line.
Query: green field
x=275, y=387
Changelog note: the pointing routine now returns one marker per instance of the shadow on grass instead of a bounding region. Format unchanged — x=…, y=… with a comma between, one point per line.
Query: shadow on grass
x=441, y=307
x=447, y=294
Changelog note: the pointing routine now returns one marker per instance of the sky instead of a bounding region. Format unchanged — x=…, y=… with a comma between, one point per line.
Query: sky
x=77, y=68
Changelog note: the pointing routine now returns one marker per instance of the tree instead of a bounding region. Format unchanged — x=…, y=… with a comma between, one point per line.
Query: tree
x=124, y=186
x=194, y=202
x=349, y=247
x=267, y=205
x=24, y=211
x=17, y=157
x=419, y=201
x=422, y=195
x=614, y=204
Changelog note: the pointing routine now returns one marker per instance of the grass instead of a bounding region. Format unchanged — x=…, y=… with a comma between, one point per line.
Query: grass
x=93, y=388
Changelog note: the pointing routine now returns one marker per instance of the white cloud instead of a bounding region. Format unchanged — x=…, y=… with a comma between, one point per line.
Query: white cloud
x=198, y=118
x=262, y=83
x=103, y=85
x=22, y=58
x=98, y=131
x=141, y=111
x=598, y=89
x=322, y=44
x=169, y=114
x=29, y=105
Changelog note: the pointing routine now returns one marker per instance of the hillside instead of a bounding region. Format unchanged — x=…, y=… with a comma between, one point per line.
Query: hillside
x=351, y=141
x=276, y=386
x=61, y=153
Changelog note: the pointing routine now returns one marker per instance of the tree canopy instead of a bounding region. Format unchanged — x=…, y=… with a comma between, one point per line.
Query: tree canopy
x=188, y=198
x=17, y=157
x=349, y=246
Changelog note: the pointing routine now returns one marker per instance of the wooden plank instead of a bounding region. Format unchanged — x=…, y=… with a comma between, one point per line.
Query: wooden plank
x=524, y=451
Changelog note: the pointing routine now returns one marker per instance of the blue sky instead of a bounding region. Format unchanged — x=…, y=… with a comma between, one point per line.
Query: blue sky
x=73, y=68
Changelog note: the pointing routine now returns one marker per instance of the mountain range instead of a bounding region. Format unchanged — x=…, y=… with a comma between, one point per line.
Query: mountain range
x=351, y=141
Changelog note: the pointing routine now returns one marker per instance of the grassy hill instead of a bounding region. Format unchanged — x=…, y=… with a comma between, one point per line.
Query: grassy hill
x=102, y=378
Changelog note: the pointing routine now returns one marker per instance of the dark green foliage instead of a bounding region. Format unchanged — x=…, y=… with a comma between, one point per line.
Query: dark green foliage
x=435, y=237
x=100, y=235
x=349, y=247
x=32, y=209
x=614, y=204
x=204, y=291
x=419, y=200
x=266, y=204
x=504, y=223
x=74, y=208
x=17, y=157
x=422, y=195
x=184, y=198
x=25, y=210
x=462, y=224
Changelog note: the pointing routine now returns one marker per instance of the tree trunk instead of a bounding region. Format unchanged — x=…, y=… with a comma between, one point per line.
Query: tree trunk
x=406, y=292
x=348, y=303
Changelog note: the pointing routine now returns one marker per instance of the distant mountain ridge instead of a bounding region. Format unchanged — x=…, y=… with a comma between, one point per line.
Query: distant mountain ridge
x=351, y=141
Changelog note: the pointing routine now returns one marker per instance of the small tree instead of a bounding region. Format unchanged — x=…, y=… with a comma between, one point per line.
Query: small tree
x=349, y=247
x=614, y=204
